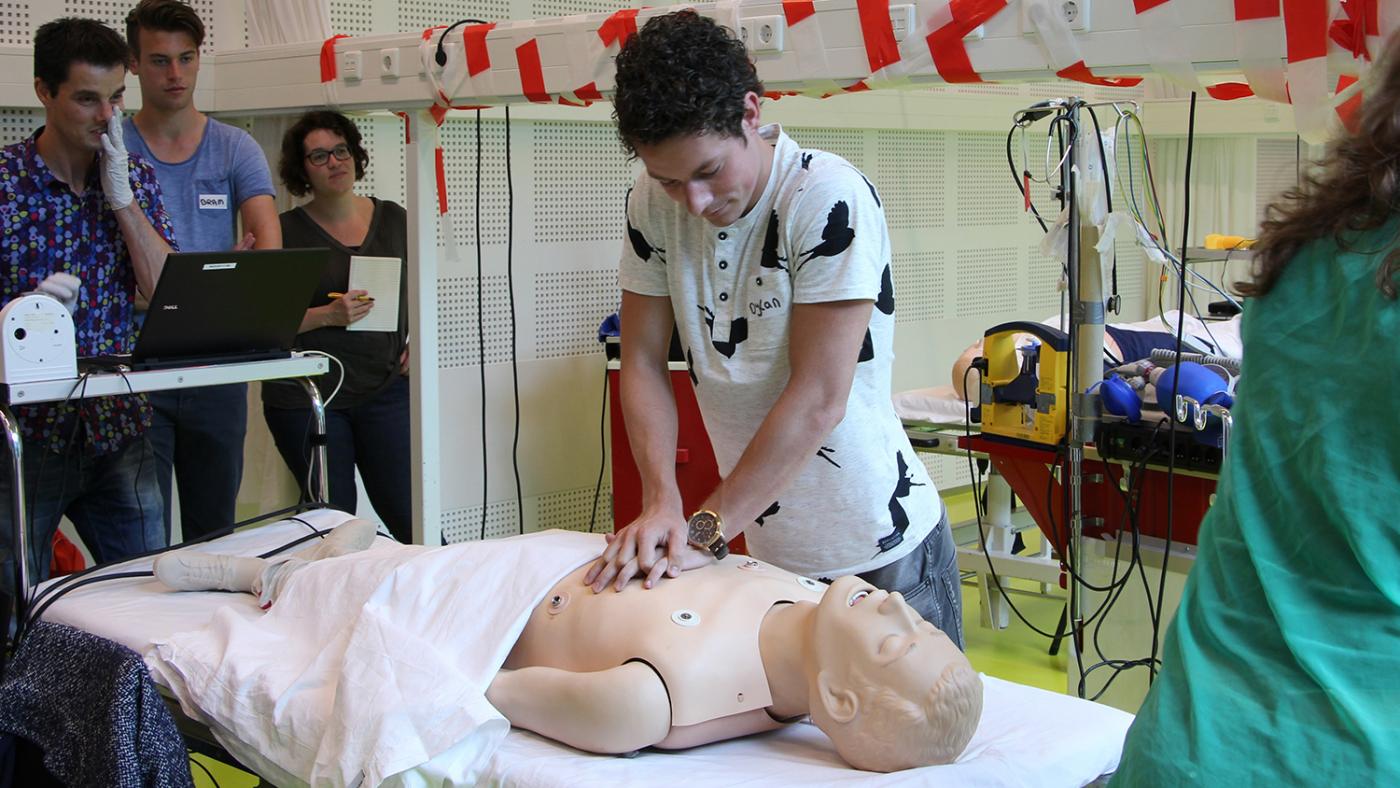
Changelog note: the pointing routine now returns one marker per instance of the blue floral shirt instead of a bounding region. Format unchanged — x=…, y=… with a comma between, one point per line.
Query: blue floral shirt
x=45, y=228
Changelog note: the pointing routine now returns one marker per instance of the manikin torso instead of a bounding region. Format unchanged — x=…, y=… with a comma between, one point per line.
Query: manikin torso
x=699, y=632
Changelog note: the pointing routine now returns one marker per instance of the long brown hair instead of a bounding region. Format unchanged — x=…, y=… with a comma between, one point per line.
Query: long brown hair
x=1356, y=188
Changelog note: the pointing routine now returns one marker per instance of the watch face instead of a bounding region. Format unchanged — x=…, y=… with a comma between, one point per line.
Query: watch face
x=703, y=528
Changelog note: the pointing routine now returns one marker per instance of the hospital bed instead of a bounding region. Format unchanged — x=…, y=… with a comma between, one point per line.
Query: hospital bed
x=1027, y=736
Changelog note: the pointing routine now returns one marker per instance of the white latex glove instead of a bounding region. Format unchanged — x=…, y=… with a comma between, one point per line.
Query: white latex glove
x=116, y=168
x=62, y=286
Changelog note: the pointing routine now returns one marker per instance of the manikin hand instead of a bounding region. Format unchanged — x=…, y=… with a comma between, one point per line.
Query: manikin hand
x=62, y=286
x=653, y=545
x=116, y=167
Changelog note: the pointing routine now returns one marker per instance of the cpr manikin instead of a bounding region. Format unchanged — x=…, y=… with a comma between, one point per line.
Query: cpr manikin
x=734, y=648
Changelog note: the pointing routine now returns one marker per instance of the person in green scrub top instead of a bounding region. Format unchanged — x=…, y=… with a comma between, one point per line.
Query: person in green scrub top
x=1282, y=665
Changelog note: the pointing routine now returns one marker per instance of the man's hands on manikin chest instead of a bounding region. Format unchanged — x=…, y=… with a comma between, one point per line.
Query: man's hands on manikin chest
x=655, y=545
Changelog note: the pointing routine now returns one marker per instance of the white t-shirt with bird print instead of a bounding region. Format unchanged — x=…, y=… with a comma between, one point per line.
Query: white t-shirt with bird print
x=816, y=235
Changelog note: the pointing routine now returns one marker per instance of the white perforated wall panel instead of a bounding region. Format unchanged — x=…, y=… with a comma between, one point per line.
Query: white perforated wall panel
x=459, y=146
x=988, y=281
x=984, y=197
x=581, y=177
x=382, y=137
x=573, y=510
x=15, y=27
x=353, y=17
x=16, y=124
x=913, y=177
x=849, y=144
x=422, y=14
x=946, y=470
x=547, y=8
x=1276, y=170
x=461, y=525
x=457, y=321
x=1043, y=285
x=920, y=289
x=569, y=306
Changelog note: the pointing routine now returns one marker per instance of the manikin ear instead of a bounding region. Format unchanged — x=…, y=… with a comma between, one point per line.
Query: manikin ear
x=841, y=703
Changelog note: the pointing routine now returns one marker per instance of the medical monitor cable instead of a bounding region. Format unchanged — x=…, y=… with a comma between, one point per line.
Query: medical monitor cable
x=510, y=292
x=480, y=330
x=440, y=57
x=1176, y=383
x=602, y=453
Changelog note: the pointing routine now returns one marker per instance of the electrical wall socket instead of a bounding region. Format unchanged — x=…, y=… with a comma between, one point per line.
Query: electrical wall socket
x=762, y=33
x=1075, y=12
x=389, y=63
x=351, y=65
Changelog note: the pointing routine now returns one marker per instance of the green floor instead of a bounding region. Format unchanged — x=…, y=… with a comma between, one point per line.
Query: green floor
x=1015, y=653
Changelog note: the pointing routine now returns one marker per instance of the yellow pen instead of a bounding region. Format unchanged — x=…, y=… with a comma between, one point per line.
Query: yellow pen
x=357, y=298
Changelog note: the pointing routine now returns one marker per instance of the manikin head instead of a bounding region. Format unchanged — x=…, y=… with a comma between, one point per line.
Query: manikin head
x=687, y=105
x=890, y=689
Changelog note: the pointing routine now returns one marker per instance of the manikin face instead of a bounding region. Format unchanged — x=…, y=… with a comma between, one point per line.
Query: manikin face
x=863, y=634
x=168, y=68
x=77, y=114
x=335, y=175
x=717, y=178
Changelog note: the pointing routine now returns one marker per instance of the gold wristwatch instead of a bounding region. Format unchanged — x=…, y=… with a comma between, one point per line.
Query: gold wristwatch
x=706, y=532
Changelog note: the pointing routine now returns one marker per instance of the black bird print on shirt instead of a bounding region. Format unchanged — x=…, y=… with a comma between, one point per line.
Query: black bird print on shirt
x=867, y=349
x=738, y=332
x=871, y=187
x=770, y=258
x=836, y=235
x=639, y=242
x=885, y=303
x=769, y=512
x=898, y=518
x=806, y=159
x=822, y=452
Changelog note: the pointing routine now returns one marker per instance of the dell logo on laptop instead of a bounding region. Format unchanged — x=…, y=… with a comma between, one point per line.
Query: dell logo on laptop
x=171, y=307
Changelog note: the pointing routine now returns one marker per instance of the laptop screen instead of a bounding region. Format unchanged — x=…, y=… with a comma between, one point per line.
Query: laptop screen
x=229, y=304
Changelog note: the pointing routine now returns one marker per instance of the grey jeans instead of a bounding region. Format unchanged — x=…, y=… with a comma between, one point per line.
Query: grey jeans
x=928, y=580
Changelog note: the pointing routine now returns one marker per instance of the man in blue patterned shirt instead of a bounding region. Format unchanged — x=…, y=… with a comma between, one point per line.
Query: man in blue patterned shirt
x=73, y=202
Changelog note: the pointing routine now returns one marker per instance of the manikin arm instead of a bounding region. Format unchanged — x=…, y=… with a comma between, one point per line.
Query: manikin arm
x=608, y=711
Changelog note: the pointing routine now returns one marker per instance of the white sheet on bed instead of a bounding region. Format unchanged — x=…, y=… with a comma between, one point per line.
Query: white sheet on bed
x=376, y=662
x=938, y=405
x=1027, y=737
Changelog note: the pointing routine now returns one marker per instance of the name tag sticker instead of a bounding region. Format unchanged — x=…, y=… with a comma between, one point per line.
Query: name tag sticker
x=213, y=202
x=220, y=266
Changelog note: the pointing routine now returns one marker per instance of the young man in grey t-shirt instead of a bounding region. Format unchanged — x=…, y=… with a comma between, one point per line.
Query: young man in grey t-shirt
x=211, y=175
x=773, y=262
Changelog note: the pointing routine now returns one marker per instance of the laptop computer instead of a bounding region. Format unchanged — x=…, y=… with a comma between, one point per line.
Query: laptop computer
x=221, y=307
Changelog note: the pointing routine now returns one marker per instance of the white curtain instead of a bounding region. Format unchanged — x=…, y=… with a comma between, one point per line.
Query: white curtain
x=272, y=22
x=1223, y=177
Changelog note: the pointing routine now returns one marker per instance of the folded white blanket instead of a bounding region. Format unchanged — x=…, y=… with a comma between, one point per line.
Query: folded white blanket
x=373, y=663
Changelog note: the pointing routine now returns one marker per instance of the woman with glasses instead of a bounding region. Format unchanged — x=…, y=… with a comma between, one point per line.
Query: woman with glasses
x=367, y=393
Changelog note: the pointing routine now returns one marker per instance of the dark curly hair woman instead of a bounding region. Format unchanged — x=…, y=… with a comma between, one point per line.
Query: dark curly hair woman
x=1281, y=665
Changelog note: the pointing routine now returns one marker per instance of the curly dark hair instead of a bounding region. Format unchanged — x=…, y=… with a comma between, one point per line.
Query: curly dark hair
x=682, y=74
x=166, y=16
x=292, y=167
x=1357, y=188
x=63, y=42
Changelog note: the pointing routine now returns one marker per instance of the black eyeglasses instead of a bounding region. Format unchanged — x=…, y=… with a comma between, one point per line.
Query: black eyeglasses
x=319, y=156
